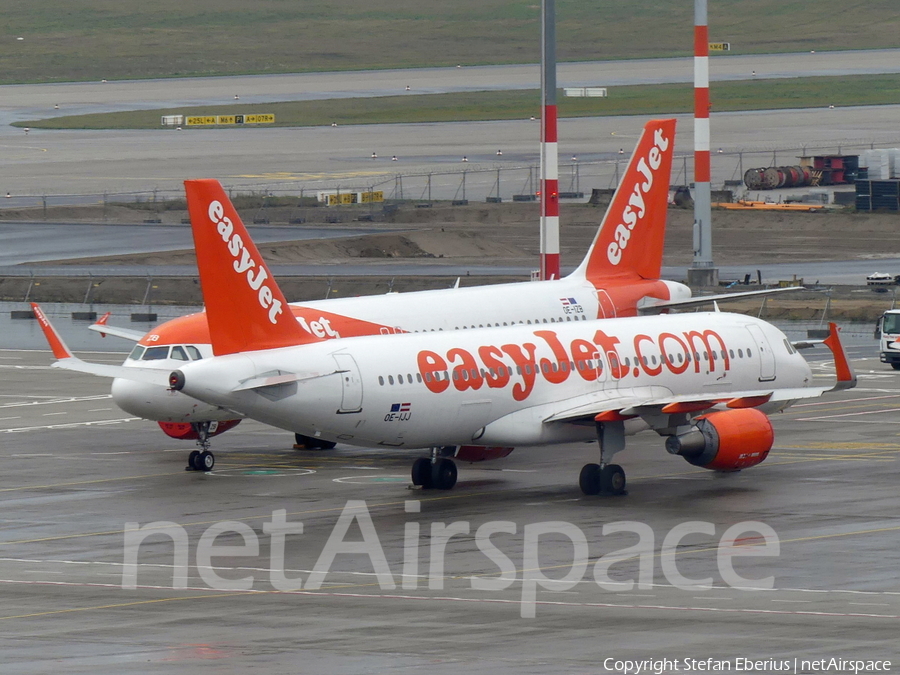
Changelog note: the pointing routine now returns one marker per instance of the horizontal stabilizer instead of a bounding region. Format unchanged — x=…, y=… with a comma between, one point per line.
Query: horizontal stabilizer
x=660, y=305
x=125, y=333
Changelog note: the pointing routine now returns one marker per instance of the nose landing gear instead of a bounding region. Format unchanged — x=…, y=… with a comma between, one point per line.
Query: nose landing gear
x=201, y=459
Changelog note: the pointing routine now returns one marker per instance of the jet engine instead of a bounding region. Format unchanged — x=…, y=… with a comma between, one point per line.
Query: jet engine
x=728, y=440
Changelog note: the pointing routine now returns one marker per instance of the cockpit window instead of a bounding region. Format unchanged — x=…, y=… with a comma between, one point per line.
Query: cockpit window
x=178, y=354
x=155, y=354
x=194, y=352
x=135, y=354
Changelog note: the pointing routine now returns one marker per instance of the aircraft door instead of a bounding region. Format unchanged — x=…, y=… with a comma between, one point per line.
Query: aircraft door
x=351, y=384
x=765, y=353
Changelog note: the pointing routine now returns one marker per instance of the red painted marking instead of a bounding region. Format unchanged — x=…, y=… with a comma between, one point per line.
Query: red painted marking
x=701, y=166
x=549, y=266
x=701, y=102
x=549, y=124
x=701, y=40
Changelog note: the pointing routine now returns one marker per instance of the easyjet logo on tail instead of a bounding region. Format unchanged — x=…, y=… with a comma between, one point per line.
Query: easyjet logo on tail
x=648, y=166
x=244, y=264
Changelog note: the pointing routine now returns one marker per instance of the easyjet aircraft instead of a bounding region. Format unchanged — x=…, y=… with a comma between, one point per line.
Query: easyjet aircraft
x=618, y=277
x=704, y=381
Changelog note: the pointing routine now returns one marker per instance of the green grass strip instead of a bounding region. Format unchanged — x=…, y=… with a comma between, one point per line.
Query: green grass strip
x=666, y=99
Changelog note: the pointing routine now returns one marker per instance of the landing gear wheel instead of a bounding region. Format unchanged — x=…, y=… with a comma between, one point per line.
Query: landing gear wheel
x=192, y=461
x=612, y=479
x=421, y=473
x=443, y=474
x=206, y=461
x=302, y=442
x=895, y=366
x=589, y=480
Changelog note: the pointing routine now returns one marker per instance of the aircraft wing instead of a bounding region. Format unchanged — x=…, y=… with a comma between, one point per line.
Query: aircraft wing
x=660, y=305
x=659, y=402
x=649, y=402
x=104, y=329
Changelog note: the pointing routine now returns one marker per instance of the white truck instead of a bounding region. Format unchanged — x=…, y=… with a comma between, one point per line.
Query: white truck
x=887, y=332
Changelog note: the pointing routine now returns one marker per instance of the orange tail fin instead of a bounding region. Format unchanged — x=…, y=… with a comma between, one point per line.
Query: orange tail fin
x=245, y=308
x=631, y=236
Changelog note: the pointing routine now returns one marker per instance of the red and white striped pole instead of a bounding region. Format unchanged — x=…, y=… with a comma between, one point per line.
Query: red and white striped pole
x=549, y=160
x=702, y=272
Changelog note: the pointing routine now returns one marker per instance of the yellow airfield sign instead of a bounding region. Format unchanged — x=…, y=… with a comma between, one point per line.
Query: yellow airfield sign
x=228, y=120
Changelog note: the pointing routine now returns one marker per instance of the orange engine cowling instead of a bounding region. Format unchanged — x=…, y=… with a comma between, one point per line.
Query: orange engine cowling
x=183, y=431
x=728, y=440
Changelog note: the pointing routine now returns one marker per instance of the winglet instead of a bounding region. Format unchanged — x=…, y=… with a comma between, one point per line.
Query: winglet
x=245, y=308
x=57, y=346
x=631, y=237
x=846, y=377
x=102, y=322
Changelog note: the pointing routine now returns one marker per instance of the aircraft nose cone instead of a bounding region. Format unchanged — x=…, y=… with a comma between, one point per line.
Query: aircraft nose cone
x=153, y=402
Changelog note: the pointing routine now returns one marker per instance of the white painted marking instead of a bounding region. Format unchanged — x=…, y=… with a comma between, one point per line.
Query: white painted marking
x=56, y=413
x=55, y=400
x=100, y=410
x=853, y=414
x=17, y=417
x=35, y=454
x=851, y=400
x=70, y=425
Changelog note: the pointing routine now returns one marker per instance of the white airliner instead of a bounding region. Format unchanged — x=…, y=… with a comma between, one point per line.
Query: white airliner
x=619, y=276
x=705, y=381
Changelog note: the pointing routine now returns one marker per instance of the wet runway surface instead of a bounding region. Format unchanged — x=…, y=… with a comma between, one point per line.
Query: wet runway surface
x=37, y=242
x=76, y=470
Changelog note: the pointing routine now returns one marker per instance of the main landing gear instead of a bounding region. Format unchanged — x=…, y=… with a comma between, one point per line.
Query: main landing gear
x=201, y=459
x=302, y=442
x=604, y=477
x=435, y=472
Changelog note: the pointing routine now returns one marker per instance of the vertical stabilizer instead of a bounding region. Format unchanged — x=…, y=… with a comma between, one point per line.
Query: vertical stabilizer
x=245, y=308
x=631, y=237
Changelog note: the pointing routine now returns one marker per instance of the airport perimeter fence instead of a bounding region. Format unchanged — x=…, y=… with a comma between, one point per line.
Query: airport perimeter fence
x=500, y=181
